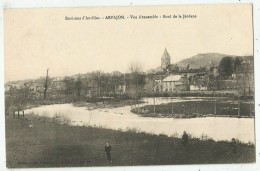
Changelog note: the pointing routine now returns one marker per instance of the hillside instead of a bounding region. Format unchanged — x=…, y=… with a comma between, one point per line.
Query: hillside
x=196, y=61
x=202, y=60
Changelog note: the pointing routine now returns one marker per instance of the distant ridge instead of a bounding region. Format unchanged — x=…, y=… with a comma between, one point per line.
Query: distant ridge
x=202, y=60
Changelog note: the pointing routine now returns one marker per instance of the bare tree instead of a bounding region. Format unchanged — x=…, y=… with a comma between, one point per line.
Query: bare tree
x=137, y=81
x=46, y=85
x=96, y=78
x=78, y=87
x=69, y=85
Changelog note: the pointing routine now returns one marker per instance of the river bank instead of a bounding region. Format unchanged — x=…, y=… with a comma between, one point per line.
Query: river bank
x=37, y=141
x=111, y=103
x=121, y=118
x=197, y=108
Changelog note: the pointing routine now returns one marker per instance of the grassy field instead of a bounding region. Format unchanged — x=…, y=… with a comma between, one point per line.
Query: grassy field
x=38, y=142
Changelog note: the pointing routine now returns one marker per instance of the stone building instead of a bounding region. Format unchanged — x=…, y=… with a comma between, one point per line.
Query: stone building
x=173, y=83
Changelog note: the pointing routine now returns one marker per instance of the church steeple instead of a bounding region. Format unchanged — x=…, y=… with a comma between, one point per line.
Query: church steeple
x=165, y=60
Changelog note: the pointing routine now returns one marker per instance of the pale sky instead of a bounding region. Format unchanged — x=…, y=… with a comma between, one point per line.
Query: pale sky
x=37, y=39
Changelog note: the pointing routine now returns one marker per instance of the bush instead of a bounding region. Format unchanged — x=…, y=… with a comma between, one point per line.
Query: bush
x=66, y=120
x=132, y=130
x=45, y=116
x=175, y=135
x=56, y=118
x=61, y=119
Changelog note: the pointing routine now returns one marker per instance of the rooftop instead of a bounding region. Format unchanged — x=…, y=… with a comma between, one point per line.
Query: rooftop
x=172, y=78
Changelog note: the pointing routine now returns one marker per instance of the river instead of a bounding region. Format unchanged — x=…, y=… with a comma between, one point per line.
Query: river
x=217, y=128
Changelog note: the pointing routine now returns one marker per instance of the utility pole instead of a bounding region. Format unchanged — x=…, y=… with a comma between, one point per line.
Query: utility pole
x=46, y=85
x=213, y=95
x=238, y=106
x=172, y=107
x=154, y=92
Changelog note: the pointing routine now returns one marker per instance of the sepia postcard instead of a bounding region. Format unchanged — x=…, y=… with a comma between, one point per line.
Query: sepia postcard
x=129, y=86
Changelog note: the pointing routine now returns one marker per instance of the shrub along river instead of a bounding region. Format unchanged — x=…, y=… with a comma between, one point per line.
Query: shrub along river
x=121, y=118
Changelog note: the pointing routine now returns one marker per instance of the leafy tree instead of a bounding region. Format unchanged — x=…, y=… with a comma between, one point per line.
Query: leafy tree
x=226, y=67
x=78, y=87
x=238, y=62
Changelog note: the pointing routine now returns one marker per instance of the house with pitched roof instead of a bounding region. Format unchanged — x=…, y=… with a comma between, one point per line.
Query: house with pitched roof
x=173, y=83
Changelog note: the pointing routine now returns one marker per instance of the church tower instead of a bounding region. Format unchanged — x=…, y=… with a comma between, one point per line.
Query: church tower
x=165, y=60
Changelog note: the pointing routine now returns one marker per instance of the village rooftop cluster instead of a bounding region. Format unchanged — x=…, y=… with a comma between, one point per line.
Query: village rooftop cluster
x=232, y=76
